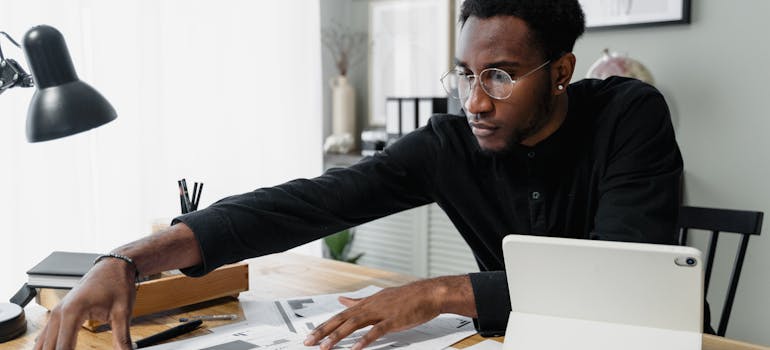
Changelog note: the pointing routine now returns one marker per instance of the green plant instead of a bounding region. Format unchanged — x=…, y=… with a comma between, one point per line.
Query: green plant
x=337, y=246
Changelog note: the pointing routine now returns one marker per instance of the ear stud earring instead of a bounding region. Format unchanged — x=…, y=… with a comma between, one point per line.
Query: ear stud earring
x=560, y=87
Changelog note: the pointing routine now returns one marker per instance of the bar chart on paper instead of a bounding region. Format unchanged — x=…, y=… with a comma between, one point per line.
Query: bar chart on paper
x=255, y=340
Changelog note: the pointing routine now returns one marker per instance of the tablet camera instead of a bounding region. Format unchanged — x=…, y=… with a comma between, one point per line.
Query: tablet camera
x=686, y=261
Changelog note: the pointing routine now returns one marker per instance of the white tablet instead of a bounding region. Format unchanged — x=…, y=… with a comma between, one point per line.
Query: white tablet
x=603, y=289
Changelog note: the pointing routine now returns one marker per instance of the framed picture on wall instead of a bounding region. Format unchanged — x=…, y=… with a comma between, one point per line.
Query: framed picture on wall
x=602, y=14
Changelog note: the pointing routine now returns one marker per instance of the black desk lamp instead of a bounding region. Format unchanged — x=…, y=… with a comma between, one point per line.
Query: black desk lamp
x=62, y=105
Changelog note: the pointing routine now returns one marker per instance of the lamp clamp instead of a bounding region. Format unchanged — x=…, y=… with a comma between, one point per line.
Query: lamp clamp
x=11, y=72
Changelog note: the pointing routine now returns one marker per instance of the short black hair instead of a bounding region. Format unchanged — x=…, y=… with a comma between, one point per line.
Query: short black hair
x=554, y=25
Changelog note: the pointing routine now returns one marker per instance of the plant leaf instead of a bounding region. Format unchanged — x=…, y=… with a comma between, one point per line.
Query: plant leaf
x=337, y=243
x=354, y=259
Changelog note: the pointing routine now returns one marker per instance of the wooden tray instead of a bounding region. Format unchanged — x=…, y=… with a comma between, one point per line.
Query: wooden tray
x=170, y=291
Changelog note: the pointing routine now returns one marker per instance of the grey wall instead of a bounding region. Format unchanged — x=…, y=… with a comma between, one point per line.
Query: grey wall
x=714, y=74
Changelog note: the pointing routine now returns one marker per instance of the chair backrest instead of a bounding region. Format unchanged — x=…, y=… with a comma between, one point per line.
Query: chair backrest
x=745, y=223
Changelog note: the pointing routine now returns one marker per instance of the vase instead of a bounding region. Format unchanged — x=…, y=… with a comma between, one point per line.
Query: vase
x=343, y=112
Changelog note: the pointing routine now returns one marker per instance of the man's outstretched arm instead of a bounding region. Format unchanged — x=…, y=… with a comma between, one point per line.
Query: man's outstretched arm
x=260, y=222
x=107, y=292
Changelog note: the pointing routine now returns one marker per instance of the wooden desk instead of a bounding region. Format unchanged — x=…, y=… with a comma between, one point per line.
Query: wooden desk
x=272, y=277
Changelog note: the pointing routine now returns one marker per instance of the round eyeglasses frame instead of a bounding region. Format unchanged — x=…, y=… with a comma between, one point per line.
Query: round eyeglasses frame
x=454, y=92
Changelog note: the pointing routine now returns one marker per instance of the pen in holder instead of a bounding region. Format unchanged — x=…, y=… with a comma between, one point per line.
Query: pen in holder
x=187, y=204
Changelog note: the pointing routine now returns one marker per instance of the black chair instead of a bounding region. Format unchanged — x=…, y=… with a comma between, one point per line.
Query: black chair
x=745, y=223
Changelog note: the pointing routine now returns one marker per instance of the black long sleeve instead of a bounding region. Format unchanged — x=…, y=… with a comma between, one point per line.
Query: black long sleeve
x=611, y=172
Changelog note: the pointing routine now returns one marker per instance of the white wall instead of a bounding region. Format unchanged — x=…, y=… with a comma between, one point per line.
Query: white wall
x=714, y=75
x=224, y=92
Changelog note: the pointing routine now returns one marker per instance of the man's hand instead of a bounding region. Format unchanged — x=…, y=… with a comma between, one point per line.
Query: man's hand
x=106, y=293
x=396, y=309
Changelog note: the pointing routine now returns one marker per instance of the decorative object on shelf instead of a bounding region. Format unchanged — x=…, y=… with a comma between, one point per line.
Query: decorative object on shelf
x=603, y=14
x=337, y=247
x=373, y=141
x=613, y=63
x=339, y=143
x=343, y=115
x=347, y=49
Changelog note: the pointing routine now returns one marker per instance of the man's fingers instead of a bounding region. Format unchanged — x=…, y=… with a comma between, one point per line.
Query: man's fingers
x=348, y=302
x=343, y=331
x=69, y=326
x=41, y=337
x=48, y=337
x=120, y=320
x=373, y=334
x=325, y=328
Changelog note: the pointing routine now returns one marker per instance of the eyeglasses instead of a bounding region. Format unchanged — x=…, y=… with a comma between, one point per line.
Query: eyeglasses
x=495, y=82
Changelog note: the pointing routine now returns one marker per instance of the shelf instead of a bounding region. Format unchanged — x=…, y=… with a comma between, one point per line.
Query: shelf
x=333, y=160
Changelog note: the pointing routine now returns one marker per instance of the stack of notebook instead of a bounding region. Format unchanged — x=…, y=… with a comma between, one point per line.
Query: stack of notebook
x=61, y=270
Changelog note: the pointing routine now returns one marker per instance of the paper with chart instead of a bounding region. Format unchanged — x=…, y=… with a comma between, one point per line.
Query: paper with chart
x=283, y=325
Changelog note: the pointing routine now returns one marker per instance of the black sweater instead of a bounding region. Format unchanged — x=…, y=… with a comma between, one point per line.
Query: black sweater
x=611, y=171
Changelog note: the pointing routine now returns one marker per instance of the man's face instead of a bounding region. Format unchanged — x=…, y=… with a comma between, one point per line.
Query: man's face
x=502, y=42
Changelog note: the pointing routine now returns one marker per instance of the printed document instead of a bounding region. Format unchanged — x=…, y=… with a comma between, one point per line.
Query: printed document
x=285, y=323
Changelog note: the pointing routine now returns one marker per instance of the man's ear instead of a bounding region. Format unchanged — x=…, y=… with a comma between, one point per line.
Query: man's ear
x=561, y=72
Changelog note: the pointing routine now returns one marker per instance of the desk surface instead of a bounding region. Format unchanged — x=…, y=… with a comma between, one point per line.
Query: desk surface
x=272, y=277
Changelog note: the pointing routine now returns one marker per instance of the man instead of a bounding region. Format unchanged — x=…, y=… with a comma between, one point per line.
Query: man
x=594, y=160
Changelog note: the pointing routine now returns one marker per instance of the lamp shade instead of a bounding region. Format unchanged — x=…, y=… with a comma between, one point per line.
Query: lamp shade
x=62, y=105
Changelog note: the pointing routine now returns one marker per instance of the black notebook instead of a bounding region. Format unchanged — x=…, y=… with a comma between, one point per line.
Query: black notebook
x=60, y=270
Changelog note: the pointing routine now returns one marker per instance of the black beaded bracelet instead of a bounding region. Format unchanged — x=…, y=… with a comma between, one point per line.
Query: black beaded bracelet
x=124, y=258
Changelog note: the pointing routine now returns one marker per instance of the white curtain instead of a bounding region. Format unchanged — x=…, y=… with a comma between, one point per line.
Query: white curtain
x=226, y=92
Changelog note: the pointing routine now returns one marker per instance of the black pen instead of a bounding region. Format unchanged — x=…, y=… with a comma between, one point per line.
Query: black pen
x=228, y=317
x=187, y=201
x=194, y=192
x=185, y=210
x=198, y=199
x=167, y=334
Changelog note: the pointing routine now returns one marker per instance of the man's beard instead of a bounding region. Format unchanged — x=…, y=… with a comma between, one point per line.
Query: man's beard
x=541, y=117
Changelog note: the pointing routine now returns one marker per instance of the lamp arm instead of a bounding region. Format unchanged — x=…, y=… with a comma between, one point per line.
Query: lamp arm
x=11, y=72
x=2, y=58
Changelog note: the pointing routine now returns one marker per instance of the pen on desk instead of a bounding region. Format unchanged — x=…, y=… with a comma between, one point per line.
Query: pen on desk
x=227, y=317
x=167, y=334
